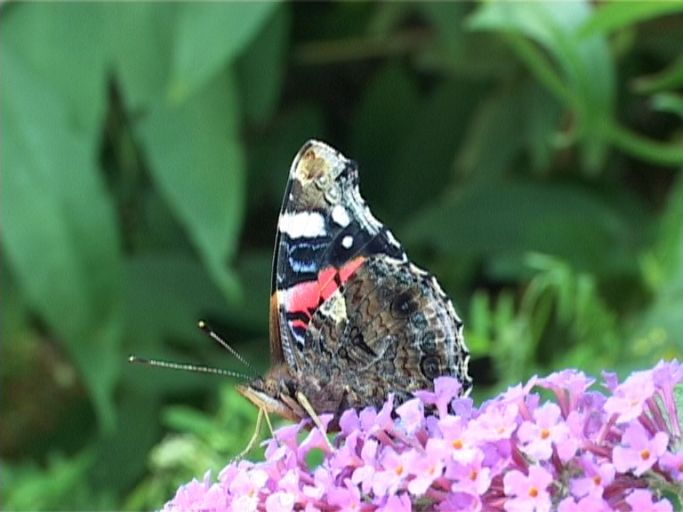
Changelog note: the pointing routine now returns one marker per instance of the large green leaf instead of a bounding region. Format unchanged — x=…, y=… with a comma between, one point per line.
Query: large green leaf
x=495, y=219
x=512, y=117
x=401, y=138
x=209, y=36
x=140, y=35
x=260, y=92
x=59, y=230
x=586, y=81
x=55, y=42
x=197, y=161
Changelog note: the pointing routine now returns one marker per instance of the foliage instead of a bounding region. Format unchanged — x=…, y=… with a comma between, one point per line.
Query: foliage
x=528, y=154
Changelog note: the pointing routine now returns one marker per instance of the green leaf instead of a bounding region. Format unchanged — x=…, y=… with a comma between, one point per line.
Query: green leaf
x=584, y=63
x=658, y=331
x=261, y=91
x=197, y=161
x=58, y=486
x=137, y=433
x=400, y=135
x=512, y=118
x=494, y=219
x=209, y=37
x=140, y=35
x=612, y=16
x=55, y=43
x=668, y=102
x=166, y=294
x=664, y=154
x=59, y=232
x=669, y=78
x=383, y=122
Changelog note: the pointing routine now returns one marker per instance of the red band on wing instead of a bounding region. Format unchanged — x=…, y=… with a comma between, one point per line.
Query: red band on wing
x=305, y=297
x=347, y=270
x=326, y=282
x=302, y=298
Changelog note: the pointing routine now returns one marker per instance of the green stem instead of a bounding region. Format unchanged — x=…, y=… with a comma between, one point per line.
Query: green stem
x=359, y=48
x=668, y=155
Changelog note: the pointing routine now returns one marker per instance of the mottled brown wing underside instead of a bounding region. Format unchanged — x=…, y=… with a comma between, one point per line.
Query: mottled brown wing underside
x=390, y=329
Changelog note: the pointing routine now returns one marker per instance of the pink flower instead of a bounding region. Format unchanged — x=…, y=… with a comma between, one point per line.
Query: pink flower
x=638, y=451
x=445, y=390
x=527, y=493
x=412, y=415
x=673, y=462
x=366, y=473
x=473, y=458
x=597, y=477
x=547, y=429
x=348, y=421
x=586, y=504
x=462, y=444
x=568, y=386
x=322, y=481
x=190, y=496
x=373, y=421
x=246, y=486
x=280, y=502
x=498, y=422
x=473, y=477
x=394, y=472
x=426, y=467
x=630, y=396
x=641, y=501
x=347, y=498
x=396, y=503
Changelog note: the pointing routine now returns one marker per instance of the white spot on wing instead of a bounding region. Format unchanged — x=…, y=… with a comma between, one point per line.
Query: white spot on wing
x=392, y=239
x=340, y=216
x=347, y=242
x=302, y=224
x=335, y=307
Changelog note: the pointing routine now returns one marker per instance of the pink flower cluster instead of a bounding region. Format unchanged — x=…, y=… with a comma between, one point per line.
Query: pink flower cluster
x=580, y=451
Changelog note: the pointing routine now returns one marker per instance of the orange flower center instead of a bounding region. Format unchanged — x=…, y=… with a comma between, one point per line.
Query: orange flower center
x=645, y=454
x=457, y=444
x=474, y=474
x=545, y=433
x=597, y=480
x=399, y=470
x=533, y=492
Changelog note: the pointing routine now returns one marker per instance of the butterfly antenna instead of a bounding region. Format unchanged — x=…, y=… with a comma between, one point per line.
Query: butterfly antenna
x=214, y=336
x=187, y=367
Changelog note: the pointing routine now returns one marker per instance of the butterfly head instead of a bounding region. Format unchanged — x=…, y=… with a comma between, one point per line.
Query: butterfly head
x=274, y=393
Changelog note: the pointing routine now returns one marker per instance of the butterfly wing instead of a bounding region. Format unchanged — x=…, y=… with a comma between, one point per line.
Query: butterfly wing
x=325, y=233
x=390, y=328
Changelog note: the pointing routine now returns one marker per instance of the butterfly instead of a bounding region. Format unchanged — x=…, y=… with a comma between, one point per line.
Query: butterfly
x=351, y=318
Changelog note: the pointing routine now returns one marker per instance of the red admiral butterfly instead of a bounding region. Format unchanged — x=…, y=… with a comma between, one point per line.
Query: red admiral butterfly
x=351, y=318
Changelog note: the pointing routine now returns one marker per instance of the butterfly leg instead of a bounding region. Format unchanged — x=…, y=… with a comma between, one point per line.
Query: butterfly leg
x=255, y=435
x=303, y=401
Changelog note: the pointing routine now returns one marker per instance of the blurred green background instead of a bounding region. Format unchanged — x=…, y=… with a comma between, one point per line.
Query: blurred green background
x=528, y=154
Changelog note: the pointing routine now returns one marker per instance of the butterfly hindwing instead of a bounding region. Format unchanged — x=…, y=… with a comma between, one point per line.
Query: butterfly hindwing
x=388, y=329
